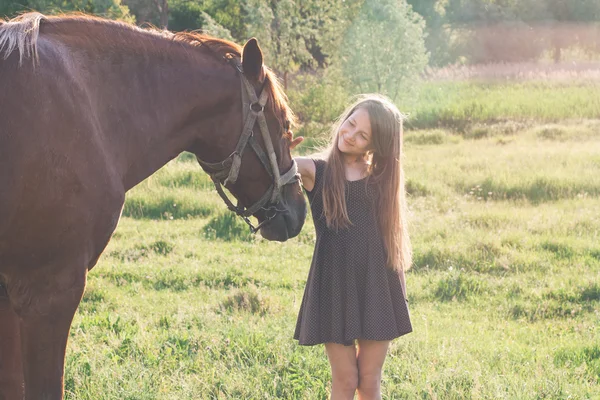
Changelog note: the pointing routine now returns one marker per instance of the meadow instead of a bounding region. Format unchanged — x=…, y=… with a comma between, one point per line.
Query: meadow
x=504, y=291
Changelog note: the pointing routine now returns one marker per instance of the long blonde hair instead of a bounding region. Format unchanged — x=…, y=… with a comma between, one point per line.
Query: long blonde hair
x=385, y=170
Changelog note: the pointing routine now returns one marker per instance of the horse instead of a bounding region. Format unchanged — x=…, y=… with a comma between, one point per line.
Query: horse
x=88, y=109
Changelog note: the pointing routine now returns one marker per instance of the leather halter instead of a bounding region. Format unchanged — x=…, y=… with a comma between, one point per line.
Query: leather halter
x=227, y=171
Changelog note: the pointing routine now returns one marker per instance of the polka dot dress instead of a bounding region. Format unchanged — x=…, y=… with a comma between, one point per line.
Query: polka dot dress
x=350, y=293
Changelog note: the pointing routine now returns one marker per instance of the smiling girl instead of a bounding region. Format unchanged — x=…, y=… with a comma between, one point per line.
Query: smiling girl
x=355, y=297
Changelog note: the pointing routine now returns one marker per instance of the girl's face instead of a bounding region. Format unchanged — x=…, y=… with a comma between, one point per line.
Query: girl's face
x=354, y=136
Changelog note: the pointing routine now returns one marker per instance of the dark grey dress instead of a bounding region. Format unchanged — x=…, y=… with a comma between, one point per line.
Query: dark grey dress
x=350, y=293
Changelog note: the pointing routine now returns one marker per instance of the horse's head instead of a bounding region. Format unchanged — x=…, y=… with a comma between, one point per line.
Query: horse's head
x=260, y=171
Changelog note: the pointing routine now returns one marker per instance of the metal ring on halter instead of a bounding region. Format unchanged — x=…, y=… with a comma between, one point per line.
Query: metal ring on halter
x=260, y=107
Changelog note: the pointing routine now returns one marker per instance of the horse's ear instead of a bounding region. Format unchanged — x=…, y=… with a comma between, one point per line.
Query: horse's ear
x=252, y=61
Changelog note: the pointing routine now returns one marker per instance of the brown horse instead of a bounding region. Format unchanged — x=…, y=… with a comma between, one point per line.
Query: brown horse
x=88, y=109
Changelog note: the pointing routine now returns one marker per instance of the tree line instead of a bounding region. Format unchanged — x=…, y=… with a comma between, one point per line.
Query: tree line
x=331, y=49
x=297, y=36
x=480, y=31
x=307, y=33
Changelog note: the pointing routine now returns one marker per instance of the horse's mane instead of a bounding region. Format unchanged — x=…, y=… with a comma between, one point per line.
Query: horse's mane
x=225, y=48
x=23, y=31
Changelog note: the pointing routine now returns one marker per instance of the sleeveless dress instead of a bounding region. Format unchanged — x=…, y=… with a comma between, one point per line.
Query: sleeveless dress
x=350, y=293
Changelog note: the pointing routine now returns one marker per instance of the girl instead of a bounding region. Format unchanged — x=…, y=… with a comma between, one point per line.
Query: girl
x=355, y=297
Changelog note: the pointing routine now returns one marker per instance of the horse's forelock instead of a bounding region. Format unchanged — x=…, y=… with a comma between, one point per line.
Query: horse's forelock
x=21, y=33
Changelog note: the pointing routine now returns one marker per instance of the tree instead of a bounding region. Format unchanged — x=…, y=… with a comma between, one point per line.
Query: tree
x=229, y=15
x=438, y=39
x=194, y=15
x=163, y=11
x=280, y=32
x=145, y=11
x=328, y=21
x=566, y=13
x=384, y=48
x=212, y=27
x=551, y=24
x=299, y=34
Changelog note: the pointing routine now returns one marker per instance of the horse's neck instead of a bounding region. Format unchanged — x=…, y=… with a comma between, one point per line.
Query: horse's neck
x=151, y=98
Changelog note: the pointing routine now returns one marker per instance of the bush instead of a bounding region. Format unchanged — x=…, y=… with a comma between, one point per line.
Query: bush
x=318, y=99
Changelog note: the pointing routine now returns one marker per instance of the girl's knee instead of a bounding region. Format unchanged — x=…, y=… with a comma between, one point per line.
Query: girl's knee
x=346, y=380
x=369, y=381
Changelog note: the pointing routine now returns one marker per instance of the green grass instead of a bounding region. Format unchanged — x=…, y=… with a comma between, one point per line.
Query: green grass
x=471, y=108
x=461, y=104
x=504, y=292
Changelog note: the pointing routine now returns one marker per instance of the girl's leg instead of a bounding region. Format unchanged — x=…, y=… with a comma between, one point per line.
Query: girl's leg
x=371, y=355
x=344, y=370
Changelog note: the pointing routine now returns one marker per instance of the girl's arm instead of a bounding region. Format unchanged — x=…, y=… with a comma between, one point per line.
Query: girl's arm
x=307, y=170
x=306, y=167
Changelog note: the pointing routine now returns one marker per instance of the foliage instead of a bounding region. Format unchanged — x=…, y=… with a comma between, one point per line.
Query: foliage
x=212, y=17
x=298, y=34
x=383, y=49
x=211, y=27
x=328, y=20
x=499, y=30
x=145, y=11
x=439, y=38
x=280, y=32
x=303, y=35
x=475, y=11
x=318, y=98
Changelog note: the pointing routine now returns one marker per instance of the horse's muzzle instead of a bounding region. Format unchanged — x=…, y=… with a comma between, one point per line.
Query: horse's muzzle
x=287, y=222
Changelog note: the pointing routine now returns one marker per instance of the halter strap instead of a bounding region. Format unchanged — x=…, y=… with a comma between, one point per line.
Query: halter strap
x=227, y=171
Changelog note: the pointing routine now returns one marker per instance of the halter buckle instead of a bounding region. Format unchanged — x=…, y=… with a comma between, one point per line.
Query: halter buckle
x=257, y=107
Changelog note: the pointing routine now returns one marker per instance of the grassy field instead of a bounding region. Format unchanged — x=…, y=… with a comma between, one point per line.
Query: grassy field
x=504, y=293
x=459, y=105
x=466, y=106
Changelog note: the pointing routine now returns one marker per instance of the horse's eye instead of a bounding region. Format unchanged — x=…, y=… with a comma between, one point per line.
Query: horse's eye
x=286, y=125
